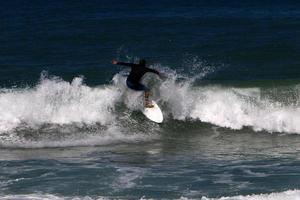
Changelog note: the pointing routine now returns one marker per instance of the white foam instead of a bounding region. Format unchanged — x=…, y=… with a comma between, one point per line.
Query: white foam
x=112, y=135
x=64, y=108
x=230, y=107
x=286, y=195
x=56, y=101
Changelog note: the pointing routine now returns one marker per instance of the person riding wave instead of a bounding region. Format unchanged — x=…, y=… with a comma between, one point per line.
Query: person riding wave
x=133, y=80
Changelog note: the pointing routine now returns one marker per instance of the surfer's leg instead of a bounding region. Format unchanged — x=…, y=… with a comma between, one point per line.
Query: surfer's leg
x=147, y=102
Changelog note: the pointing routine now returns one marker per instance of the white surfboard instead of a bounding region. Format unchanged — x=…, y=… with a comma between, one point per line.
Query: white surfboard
x=154, y=114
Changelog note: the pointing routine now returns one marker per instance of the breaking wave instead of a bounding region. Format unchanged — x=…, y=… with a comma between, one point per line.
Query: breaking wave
x=58, y=102
x=62, y=108
x=57, y=113
x=261, y=109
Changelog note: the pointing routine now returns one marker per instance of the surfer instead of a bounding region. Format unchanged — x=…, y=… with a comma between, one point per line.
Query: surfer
x=135, y=76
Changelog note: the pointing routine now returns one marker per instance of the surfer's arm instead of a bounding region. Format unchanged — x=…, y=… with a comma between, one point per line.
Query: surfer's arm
x=123, y=63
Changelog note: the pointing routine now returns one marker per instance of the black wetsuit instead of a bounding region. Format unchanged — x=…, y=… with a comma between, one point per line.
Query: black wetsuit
x=136, y=74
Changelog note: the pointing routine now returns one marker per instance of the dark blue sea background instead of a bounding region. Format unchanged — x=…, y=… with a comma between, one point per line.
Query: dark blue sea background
x=70, y=129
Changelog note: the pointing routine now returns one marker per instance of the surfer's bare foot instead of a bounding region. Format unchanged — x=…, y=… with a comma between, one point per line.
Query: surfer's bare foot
x=149, y=105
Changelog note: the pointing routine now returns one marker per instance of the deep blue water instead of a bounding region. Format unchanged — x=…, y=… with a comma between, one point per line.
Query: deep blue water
x=69, y=127
x=254, y=40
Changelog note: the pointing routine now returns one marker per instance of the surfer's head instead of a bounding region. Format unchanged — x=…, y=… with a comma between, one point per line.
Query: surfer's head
x=142, y=62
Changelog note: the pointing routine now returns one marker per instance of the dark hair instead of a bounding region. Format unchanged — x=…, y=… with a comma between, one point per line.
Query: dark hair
x=142, y=62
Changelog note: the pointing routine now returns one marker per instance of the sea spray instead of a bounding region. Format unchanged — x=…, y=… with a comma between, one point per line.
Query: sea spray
x=59, y=102
x=55, y=101
x=230, y=107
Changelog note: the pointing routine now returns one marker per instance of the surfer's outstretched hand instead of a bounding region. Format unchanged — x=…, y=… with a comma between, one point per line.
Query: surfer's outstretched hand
x=114, y=62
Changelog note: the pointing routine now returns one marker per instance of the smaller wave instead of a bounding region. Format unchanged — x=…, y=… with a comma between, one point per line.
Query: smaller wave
x=110, y=135
x=286, y=195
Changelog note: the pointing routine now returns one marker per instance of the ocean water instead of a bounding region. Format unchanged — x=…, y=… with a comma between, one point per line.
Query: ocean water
x=70, y=129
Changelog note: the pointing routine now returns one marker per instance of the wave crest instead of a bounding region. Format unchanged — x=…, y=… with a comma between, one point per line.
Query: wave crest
x=233, y=107
x=57, y=102
x=54, y=101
